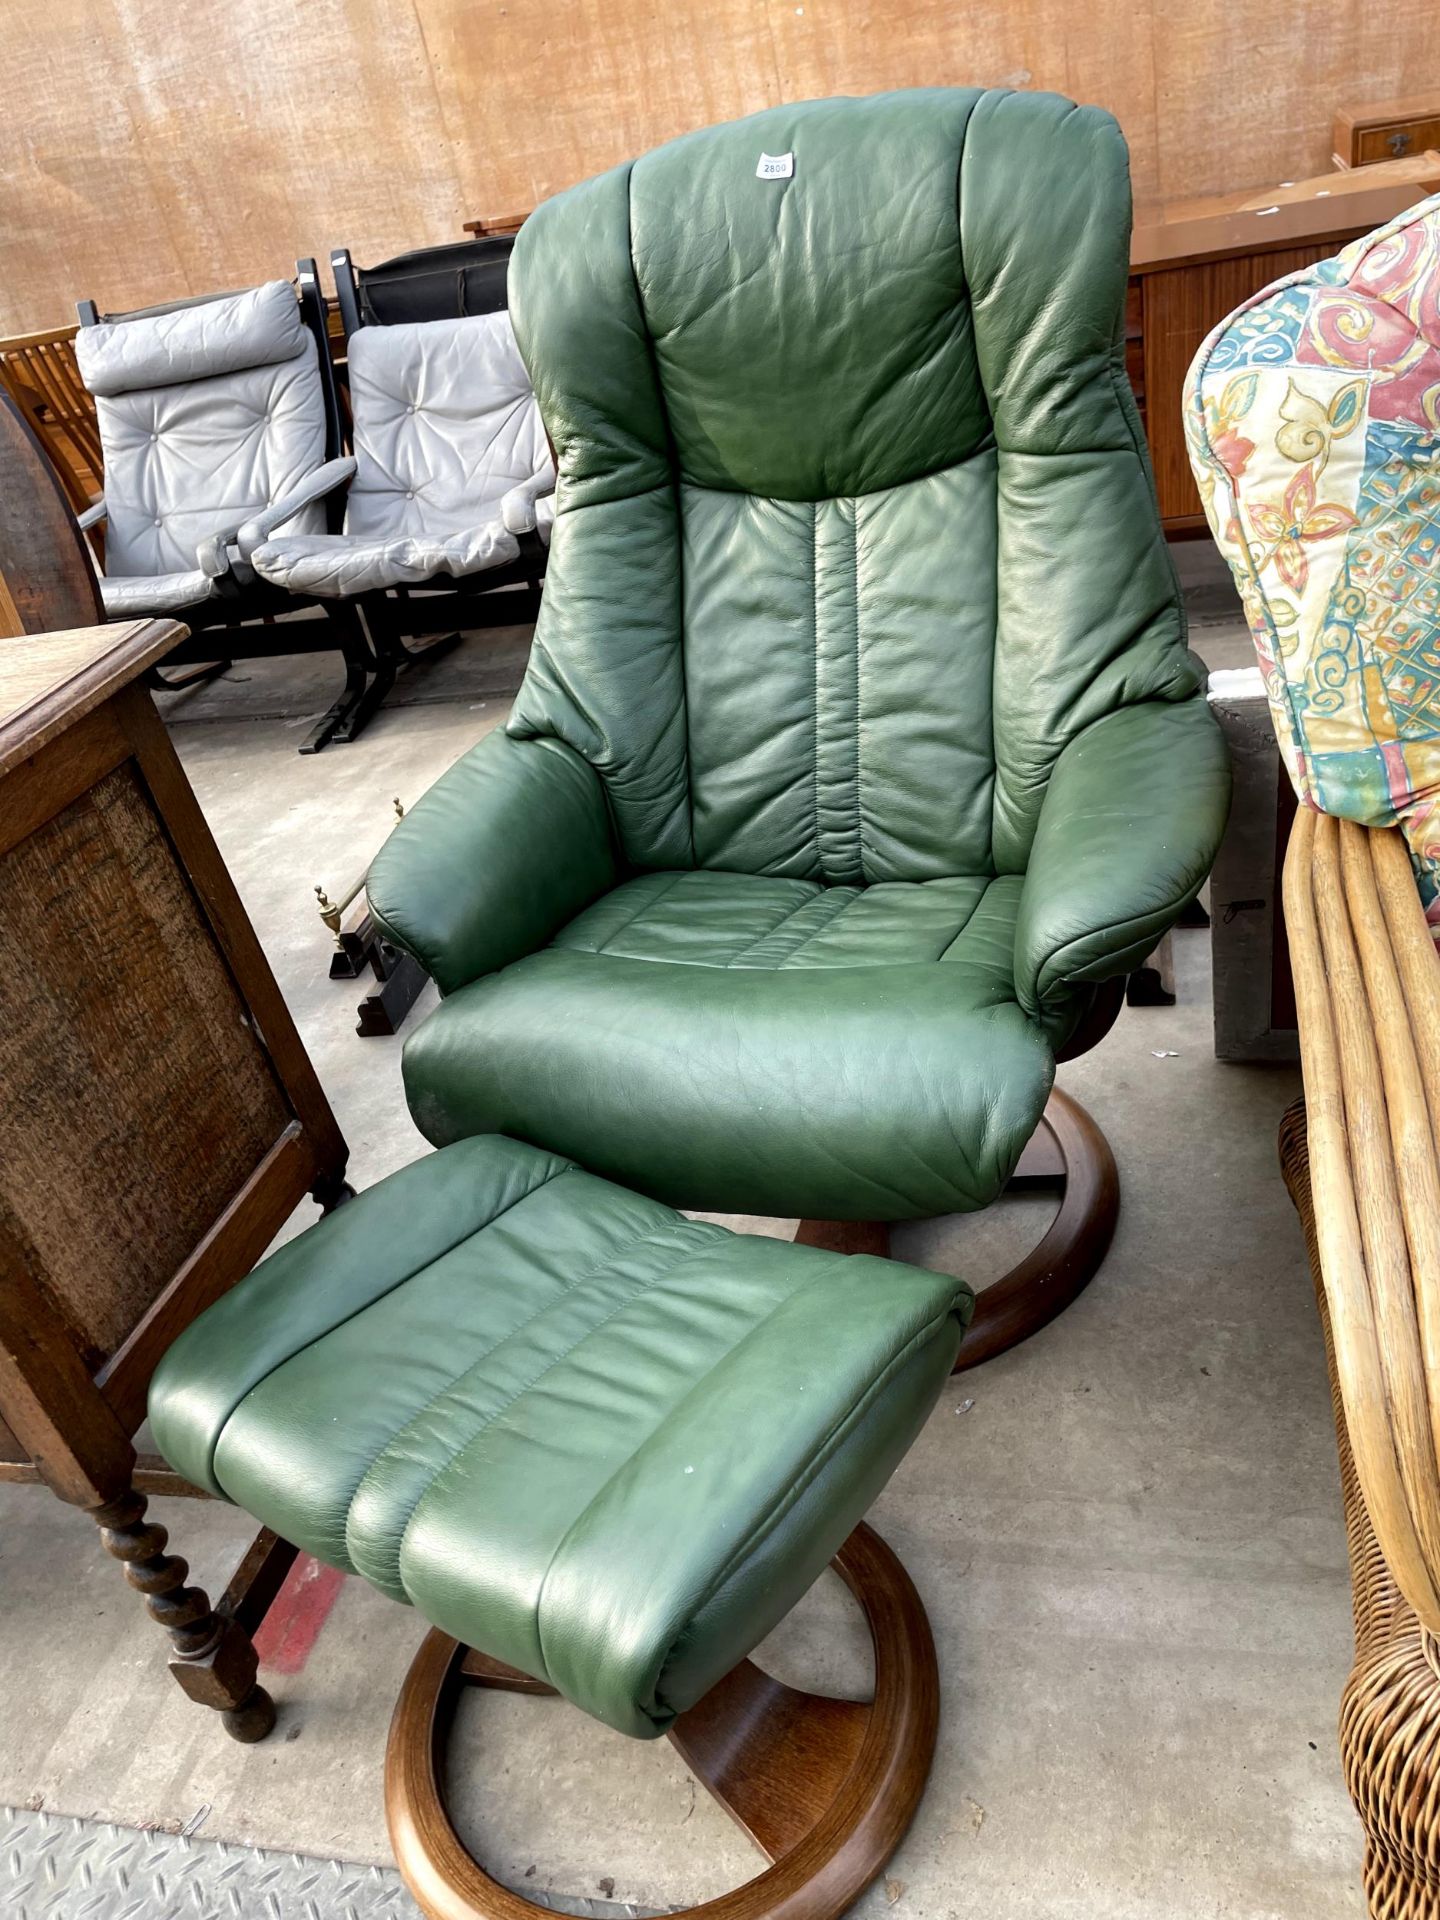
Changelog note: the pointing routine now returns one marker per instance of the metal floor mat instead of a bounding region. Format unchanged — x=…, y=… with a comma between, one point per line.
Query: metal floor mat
x=53, y=1867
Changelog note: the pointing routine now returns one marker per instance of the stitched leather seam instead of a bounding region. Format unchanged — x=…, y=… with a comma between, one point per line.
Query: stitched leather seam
x=951, y=464
x=653, y=900
x=404, y=1280
x=839, y=901
x=989, y=443
x=600, y=1491
x=1130, y=414
x=779, y=926
x=826, y=1450
x=948, y=949
x=708, y=1235
x=548, y=1306
x=1114, y=938
x=789, y=1499
x=815, y=645
x=823, y=1453
x=833, y=841
x=855, y=648
x=673, y=483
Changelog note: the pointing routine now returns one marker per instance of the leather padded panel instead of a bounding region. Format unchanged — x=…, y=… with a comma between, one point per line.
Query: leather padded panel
x=525, y=1401
x=531, y=816
x=860, y=371
x=445, y=423
x=741, y=1039
x=707, y=919
x=342, y=564
x=193, y=340
x=919, y=403
x=135, y=594
x=837, y=678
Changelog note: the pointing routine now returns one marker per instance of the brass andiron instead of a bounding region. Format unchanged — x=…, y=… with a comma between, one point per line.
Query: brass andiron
x=332, y=912
x=398, y=975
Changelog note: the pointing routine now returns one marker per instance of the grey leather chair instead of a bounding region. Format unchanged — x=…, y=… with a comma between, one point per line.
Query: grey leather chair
x=218, y=421
x=448, y=522
x=451, y=464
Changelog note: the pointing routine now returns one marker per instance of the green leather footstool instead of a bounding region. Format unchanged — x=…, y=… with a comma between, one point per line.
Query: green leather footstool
x=603, y=1449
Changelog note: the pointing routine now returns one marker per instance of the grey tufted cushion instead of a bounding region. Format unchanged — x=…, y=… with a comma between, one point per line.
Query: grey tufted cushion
x=155, y=592
x=336, y=566
x=445, y=424
x=194, y=341
x=207, y=413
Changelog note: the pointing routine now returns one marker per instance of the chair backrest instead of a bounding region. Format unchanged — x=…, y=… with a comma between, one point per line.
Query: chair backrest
x=431, y=283
x=208, y=410
x=1312, y=415
x=444, y=422
x=855, y=524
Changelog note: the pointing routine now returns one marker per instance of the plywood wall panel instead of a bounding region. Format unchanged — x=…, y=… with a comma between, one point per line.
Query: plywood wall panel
x=286, y=126
x=823, y=49
x=75, y=190
x=538, y=95
x=1110, y=61
x=1247, y=94
x=154, y=148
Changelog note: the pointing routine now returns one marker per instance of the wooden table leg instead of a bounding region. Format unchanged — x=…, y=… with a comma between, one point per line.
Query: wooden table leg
x=213, y=1657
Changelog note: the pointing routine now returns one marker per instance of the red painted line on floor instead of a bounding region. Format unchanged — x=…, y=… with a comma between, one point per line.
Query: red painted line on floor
x=292, y=1626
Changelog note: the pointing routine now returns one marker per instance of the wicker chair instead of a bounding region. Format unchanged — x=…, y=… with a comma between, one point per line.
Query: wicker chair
x=1360, y=1159
x=1310, y=421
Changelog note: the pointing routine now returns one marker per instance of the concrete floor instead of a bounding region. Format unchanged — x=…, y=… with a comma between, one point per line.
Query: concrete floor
x=1127, y=1531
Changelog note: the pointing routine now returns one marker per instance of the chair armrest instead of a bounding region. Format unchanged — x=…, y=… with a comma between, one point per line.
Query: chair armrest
x=93, y=515
x=505, y=848
x=315, y=486
x=212, y=554
x=1128, y=829
x=517, y=508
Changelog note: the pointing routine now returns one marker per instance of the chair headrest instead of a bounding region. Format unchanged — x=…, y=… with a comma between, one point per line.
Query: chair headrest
x=834, y=297
x=258, y=328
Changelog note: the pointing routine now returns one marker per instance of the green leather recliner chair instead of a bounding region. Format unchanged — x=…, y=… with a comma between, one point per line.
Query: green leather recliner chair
x=860, y=741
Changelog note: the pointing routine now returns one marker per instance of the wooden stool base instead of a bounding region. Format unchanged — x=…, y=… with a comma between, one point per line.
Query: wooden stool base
x=825, y=1788
x=1067, y=1151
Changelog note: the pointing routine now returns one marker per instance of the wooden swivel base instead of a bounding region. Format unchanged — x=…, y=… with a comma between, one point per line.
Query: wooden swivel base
x=1067, y=1150
x=825, y=1788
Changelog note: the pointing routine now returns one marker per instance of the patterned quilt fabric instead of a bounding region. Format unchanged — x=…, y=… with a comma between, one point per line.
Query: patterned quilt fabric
x=1312, y=417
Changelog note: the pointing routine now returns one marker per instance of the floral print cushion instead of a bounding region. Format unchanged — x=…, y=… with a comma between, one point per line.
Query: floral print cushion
x=1312, y=417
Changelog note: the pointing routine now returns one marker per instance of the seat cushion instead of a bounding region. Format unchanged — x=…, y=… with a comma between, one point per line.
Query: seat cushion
x=140, y=593
x=747, y=1044
x=527, y=1402
x=701, y=918
x=337, y=565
